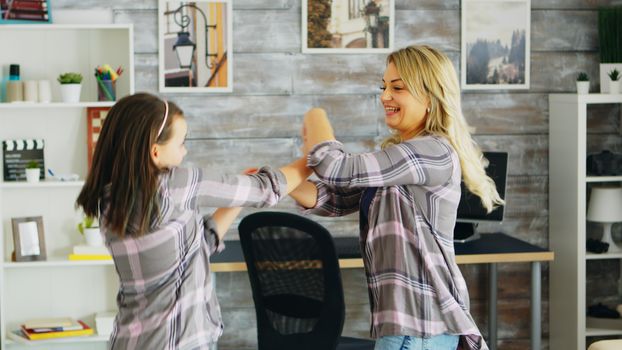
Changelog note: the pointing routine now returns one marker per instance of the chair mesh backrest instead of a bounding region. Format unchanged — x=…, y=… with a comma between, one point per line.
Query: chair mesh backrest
x=289, y=269
x=294, y=274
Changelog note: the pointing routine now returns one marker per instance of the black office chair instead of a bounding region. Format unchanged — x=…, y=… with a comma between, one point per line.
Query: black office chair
x=294, y=273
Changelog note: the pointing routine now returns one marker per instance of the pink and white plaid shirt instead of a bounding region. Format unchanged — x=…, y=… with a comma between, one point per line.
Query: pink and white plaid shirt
x=166, y=299
x=415, y=286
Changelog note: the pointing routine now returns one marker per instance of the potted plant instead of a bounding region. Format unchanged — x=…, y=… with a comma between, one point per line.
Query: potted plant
x=583, y=83
x=609, y=39
x=89, y=228
x=614, y=81
x=33, y=173
x=70, y=85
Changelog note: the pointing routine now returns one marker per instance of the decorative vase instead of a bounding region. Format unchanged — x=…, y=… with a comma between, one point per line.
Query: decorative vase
x=32, y=175
x=614, y=87
x=93, y=237
x=583, y=87
x=70, y=92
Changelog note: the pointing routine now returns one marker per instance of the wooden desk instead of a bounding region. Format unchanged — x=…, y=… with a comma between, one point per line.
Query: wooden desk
x=491, y=249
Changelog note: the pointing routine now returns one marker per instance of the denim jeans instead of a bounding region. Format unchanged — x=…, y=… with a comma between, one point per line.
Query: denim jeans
x=406, y=342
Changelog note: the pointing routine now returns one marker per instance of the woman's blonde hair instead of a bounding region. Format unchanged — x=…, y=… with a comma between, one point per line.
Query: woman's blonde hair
x=428, y=72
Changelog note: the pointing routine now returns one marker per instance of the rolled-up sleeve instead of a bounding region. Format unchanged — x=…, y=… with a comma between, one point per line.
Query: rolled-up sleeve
x=215, y=245
x=332, y=201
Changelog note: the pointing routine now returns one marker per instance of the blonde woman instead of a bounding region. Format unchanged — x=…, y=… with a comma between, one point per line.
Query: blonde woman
x=407, y=196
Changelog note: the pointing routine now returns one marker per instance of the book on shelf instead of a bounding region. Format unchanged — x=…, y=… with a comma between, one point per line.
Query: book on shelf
x=73, y=326
x=83, y=331
x=90, y=250
x=77, y=257
x=24, y=5
x=49, y=322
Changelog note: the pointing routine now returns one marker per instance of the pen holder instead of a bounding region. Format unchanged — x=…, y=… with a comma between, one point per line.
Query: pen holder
x=106, y=90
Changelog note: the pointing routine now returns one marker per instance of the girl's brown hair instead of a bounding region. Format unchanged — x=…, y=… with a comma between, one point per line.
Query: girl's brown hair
x=122, y=161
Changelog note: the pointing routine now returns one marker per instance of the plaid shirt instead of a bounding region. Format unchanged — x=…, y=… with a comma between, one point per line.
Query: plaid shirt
x=415, y=286
x=166, y=299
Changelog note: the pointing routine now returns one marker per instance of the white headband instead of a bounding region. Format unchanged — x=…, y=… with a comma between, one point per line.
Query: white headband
x=165, y=117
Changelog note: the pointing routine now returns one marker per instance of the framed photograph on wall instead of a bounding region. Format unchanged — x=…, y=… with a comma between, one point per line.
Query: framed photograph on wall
x=28, y=238
x=195, y=46
x=94, y=121
x=495, y=44
x=25, y=11
x=348, y=26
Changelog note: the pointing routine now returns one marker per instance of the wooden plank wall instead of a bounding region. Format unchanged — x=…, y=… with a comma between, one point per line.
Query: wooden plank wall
x=274, y=84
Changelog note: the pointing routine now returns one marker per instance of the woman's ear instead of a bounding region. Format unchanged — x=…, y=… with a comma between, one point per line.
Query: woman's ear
x=154, y=153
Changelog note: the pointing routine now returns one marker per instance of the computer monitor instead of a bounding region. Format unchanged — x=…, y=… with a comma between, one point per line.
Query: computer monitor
x=470, y=209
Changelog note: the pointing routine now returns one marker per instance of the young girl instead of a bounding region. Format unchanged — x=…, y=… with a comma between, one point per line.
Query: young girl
x=407, y=195
x=148, y=209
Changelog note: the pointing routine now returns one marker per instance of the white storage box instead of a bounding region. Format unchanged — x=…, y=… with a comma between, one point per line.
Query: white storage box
x=104, y=322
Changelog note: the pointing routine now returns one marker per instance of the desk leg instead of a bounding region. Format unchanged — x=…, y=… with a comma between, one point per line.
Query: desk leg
x=213, y=346
x=492, y=306
x=536, y=307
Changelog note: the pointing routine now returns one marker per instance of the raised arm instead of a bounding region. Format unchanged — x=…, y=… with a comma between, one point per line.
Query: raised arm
x=423, y=161
x=316, y=129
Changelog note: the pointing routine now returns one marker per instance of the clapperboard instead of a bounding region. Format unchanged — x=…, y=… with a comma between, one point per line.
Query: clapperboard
x=17, y=153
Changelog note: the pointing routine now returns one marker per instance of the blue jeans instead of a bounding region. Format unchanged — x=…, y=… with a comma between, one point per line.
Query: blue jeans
x=406, y=342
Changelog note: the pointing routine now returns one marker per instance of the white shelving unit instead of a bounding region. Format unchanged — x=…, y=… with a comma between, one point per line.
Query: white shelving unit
x=567, y=218
x=56, y=287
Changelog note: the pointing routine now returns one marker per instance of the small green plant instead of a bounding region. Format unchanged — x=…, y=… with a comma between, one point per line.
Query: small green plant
x=70, y=78
x=614, y=75
x=33, y=164
x=582, y=76
x=87, y=222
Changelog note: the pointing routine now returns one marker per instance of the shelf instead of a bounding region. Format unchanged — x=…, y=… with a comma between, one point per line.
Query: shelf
x=57, y=262
x=603, y=326
x=41, y=288
x=42, y=184
x=63, y=26
x=82, y=339
x=594, y=256
x=588, y=99
x=601, y=332
x=30, y=105
x=603, y=178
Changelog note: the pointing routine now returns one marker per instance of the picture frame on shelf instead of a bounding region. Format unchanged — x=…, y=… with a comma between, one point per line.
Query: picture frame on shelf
x=95, y=117
x=348, y=26
x=195, y=46
x=495, y=40
x=28, y=238
x=25, y=11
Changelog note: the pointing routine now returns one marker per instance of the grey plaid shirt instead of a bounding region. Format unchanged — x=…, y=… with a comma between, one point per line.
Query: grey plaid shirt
x=415, y=286
x=166, y=299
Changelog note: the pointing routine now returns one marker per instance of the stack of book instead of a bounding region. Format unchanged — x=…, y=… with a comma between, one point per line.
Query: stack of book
x=54, y=328
x=88, y=252
x=33, y=10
